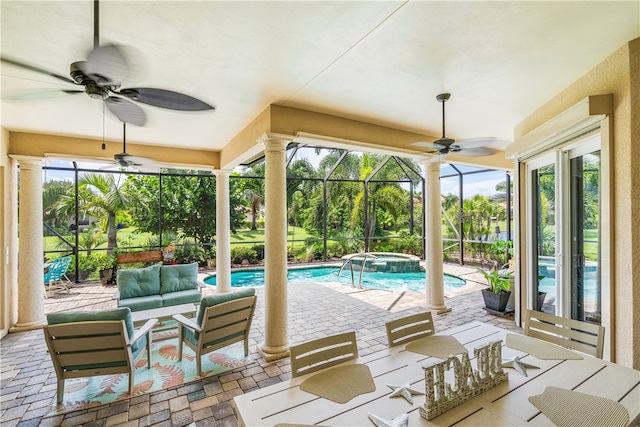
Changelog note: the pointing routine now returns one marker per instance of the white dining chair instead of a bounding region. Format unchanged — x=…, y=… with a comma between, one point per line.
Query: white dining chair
x=322, y=353
x=410, y=328
x=573, y=334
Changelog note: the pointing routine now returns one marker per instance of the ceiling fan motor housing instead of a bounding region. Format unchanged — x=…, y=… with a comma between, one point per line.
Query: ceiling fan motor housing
x=443, y=97
x=96, y=92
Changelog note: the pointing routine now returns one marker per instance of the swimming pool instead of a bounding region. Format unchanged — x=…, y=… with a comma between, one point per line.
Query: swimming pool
x=391, y=281
x=547, y=269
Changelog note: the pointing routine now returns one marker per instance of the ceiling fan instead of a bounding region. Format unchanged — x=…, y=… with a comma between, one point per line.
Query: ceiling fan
x=470, y=147
x=124, y=160
x=101, y=76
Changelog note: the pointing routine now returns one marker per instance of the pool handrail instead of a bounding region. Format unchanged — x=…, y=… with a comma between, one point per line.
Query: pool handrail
x=348, y=258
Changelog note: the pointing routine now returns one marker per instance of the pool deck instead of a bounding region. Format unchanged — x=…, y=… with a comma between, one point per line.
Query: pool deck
x=28, y=384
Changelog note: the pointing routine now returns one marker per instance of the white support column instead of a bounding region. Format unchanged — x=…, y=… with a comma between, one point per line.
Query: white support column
x=433, y=232
x=30, y=255
x=223, y=227
x=275, y=344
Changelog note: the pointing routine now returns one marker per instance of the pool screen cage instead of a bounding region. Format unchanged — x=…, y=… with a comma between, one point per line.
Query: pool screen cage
x=338, y=202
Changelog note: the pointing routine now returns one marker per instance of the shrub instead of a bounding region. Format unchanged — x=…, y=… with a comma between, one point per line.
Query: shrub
x=190, y=253
x=311, y=251
x=240, y=253
x=411, y=243
x=259, y=251
x=210, y=251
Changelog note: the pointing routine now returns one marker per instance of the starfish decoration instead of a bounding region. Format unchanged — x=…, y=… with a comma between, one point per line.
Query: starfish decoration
x=401, y=420
x=403, y=390
x=518, y=365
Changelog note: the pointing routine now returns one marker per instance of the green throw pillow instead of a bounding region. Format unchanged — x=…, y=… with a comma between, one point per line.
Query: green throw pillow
x=180, y=277
x=139, y=282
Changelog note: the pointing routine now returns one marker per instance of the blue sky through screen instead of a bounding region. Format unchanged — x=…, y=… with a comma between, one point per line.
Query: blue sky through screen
x=480, y=183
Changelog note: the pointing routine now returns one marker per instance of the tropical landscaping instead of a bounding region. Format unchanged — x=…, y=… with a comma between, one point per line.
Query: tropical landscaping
x=338, y=202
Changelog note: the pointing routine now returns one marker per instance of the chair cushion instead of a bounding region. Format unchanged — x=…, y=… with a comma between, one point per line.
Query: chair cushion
x=121, y=313
x=141, y=303
x=181, y=297
x=139, y=282
x=220, y=298
x=180, y=277
x=193, y=336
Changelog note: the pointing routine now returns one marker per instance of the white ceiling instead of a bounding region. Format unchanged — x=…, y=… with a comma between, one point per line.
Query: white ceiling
x=377, y=61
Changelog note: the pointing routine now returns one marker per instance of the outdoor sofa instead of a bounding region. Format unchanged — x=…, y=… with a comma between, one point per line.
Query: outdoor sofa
x=158, y=286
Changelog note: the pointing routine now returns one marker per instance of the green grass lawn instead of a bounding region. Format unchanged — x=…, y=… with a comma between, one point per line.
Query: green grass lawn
x=130, y=237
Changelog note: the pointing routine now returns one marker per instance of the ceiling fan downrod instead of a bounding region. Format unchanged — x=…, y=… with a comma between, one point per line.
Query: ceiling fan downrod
x=442, y=98
x=96, y=24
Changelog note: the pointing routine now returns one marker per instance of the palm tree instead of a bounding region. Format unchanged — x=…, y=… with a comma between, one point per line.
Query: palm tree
x=254, y=191
x=52, y=191
x=107, y=200
x=304, y=169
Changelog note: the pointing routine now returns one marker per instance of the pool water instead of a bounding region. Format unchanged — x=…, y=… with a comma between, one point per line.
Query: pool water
x=390, y=281
x=547, y=268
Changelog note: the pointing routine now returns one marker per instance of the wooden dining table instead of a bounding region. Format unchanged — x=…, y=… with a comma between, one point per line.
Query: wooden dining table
x=505, y=404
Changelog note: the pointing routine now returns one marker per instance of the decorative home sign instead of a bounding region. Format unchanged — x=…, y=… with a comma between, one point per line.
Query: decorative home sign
x=468, y=383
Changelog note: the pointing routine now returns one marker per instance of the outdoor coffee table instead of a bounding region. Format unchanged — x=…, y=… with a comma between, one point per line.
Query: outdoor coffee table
x=163, y=314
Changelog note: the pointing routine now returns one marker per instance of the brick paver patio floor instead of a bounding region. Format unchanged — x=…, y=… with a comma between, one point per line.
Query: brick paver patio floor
x=28, y=381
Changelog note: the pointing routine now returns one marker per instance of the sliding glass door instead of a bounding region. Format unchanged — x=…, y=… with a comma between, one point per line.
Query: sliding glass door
x=585, y=235
x=563, y=189
x=543, y=281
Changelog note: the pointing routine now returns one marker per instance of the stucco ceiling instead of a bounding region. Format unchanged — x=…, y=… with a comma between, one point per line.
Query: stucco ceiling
x=380, y=62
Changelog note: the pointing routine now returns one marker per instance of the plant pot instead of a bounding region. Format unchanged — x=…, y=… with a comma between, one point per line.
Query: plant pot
x=211, y=263
x=107, y=276
x=495, y=302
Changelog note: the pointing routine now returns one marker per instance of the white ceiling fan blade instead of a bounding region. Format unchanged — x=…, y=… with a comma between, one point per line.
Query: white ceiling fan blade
x=149, y=168
x=433, y=147
x=475, y=152
x=482, y=142
x=108, y=167
x=137, y=160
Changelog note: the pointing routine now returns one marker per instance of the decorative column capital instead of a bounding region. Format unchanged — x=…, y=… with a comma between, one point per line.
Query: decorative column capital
x=430, y=162
x=28, y=162
x=222, y=172
x=275, y=142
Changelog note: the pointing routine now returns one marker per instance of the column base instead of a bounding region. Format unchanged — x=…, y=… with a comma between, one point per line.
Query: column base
x=439, y=309
x=271, y=354
x=23, y=327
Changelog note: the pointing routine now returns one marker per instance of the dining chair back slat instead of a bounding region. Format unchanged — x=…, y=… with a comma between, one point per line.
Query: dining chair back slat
x=410, y=328
x=573, y=334
x=323, y=353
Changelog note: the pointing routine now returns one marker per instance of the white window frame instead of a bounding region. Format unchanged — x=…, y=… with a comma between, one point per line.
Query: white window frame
x=552, y=138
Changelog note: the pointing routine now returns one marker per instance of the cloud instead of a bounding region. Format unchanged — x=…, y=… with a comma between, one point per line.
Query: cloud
x=473, y=185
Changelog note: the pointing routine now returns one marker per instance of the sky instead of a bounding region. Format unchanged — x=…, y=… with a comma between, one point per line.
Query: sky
x=481, y=183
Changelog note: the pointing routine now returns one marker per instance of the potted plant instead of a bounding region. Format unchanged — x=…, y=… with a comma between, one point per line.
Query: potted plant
x=106, y=266
x=168, y=253
x=497, y=295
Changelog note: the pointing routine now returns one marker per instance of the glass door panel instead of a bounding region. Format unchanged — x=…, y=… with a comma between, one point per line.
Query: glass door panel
x=545, y=287
x=585, y=237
